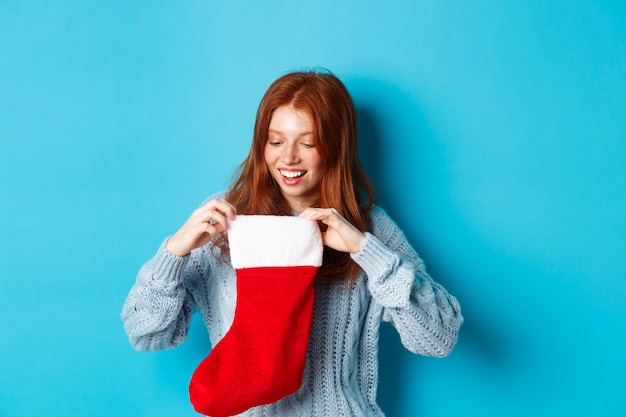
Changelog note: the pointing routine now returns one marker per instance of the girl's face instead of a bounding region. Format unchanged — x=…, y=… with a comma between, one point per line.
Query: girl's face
x=292, y=158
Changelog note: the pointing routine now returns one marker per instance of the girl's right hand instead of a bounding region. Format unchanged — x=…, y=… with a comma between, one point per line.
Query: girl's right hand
x=202, y=225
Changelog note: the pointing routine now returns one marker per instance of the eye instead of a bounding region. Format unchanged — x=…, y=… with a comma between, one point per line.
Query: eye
x=308, y=145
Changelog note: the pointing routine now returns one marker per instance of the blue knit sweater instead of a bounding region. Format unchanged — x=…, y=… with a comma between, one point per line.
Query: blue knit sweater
x=341, y=374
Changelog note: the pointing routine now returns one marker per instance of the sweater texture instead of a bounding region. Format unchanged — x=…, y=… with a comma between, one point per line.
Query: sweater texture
x=341, y=372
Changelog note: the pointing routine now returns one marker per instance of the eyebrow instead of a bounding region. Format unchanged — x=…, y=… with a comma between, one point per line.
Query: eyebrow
x=280, y=133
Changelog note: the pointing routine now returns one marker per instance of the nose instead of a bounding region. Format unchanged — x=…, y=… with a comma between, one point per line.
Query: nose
x=290, y=154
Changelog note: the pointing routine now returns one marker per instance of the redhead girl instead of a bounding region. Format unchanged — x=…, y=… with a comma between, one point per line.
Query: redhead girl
x=303, y=161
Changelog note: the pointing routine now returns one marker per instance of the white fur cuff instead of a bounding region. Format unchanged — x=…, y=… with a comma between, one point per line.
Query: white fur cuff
x=262, y=241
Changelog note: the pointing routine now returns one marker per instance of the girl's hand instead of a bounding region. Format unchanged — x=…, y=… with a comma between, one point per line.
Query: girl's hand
x=202, y=225
x=340, y=234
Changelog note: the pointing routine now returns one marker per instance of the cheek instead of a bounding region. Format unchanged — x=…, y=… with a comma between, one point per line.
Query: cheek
x=267, y=155
x=317, y=162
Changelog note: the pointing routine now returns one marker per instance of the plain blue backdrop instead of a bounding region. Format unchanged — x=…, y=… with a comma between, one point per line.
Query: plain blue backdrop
x=494, y=130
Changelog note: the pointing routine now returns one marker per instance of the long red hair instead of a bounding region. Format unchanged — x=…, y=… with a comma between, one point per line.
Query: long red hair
x=345, y=186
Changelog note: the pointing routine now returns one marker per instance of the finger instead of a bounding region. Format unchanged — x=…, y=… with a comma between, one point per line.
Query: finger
x=315, y=213
x=215, y=211
x=217, y=219
x=306, y=213
x=226, y=208
x=210, y=229
x=217, y=204
x=213, y=228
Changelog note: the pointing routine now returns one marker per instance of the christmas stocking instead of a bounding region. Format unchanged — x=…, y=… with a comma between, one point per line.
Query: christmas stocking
x=261, y=359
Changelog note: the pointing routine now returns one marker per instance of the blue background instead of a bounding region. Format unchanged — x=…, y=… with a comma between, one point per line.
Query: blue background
x=495, y=131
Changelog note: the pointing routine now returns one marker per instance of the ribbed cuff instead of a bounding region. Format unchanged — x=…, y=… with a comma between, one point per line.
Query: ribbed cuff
x=389, y=284
x=167, y=264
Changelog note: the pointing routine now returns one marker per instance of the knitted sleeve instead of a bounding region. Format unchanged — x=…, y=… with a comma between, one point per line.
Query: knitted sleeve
x=425, y=315
x=157, y=311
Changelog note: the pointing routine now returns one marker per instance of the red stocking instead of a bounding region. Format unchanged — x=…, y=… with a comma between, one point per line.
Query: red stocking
x=261, y=359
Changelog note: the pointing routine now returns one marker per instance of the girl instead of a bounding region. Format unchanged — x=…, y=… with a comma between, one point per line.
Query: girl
x=303, y=161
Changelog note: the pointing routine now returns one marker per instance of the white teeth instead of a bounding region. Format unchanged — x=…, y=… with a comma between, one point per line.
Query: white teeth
x=292, y=174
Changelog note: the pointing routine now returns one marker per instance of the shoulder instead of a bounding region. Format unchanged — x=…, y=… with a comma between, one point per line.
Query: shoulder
x=379, y=219
x=383, y=226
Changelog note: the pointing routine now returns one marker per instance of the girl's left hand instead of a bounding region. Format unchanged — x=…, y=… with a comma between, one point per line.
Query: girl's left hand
x=340, y=234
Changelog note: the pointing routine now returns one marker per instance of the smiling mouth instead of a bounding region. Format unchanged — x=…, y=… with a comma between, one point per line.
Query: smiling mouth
x=291, y=174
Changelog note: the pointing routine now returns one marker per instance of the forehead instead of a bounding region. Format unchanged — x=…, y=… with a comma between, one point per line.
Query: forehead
x=286, y=118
